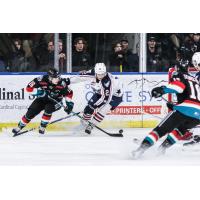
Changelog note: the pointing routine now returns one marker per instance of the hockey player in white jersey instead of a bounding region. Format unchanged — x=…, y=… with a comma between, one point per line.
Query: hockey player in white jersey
x=108, y=92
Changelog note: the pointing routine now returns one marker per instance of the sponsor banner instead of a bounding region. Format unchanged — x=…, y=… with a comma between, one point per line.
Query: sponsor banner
x=136, y=110
x=137, y=100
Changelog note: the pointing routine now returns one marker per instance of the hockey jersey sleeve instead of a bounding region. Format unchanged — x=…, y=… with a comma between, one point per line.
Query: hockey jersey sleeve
x=67, y=91
x=118, y=89
x=176, y=85
x=83, y=76
x=34, y=85
x=69, y=94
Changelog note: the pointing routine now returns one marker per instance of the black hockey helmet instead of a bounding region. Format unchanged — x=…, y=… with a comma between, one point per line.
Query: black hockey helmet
x=53, y=73
x=182, y=65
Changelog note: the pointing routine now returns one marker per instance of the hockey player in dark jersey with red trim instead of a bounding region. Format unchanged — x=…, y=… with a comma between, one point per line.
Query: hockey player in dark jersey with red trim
x=46, y=88
x=196, y=64
x=108, y=92
x=185, y=114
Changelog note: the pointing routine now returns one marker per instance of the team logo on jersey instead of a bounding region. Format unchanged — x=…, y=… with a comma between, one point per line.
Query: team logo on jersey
x=107, y=84
x=32, y=83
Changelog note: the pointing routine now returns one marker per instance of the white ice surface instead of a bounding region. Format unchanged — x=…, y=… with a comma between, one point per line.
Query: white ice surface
x=66, y=148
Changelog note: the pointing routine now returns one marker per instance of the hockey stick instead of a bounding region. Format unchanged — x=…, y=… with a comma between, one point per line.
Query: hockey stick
x=165, y=100
x=119, y=134
x=151, y=115
x=53, y=122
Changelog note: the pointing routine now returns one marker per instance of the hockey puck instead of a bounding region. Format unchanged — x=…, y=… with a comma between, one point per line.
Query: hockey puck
x=121, y=131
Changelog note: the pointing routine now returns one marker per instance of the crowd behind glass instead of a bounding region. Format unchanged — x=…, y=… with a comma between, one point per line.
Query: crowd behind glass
x=120, y=52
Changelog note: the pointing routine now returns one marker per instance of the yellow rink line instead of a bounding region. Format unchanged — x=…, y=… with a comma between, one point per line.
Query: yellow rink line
x=60, y=126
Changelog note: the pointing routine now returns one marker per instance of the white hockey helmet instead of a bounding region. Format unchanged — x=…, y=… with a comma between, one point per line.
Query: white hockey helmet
x=196, y=60
x=100, y=70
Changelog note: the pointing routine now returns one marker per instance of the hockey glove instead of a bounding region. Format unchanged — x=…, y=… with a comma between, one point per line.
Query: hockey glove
x=69, y=107
x=157, y=92
x=170, y=105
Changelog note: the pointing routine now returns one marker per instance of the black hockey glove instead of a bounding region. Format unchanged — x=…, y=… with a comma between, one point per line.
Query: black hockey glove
x=69, y=107
x=157, y=92
x=170, y=105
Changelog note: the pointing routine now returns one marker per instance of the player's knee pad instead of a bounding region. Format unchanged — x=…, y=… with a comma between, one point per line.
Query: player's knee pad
x=89, y=110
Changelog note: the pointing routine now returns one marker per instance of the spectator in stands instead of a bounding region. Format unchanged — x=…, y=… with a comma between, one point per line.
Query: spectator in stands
x=130, y=61
x=169, y=44
x=18, y=46
x=62, y=56
x=193, y=44
x=45, y=58
x=122, y=60
x=30, y=63
x=136, y=56
x=155, y=61
x=18, y=57
x=116, y=58
x=80, y=57
x=50, y=54
x=124, y=43
x=2, y=64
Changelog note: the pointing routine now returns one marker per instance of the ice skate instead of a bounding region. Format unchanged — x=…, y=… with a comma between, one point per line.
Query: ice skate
x=139, y=151
x=195, y=140
x=42, y=129
x=16, y=130
x=88, y=129
x=163, y=147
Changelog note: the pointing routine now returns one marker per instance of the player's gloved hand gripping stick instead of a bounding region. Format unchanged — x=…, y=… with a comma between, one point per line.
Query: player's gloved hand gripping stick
x=119, y=134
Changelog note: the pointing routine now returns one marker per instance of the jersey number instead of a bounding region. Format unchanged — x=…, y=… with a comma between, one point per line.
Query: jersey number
x=107, y=92
x=195, y=91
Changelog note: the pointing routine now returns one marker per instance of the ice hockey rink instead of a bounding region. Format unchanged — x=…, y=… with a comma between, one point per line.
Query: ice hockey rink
x=69, y=148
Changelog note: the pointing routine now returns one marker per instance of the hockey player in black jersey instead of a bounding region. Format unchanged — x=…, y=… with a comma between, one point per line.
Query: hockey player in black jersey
x=108, y=92
x=46, y=88
x=196, y=64
x=184, y=115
